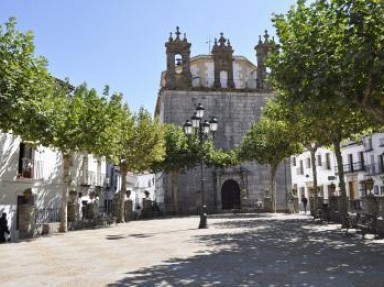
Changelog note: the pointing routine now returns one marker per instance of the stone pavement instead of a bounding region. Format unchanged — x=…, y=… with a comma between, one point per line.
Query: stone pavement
x=237, y=250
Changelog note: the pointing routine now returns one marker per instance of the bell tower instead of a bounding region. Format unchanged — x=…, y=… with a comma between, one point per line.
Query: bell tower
x=262, y=50
x=178, y=74
x=223, y=63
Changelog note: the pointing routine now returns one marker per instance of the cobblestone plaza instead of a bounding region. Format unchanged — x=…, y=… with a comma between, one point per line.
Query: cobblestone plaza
x=236, y=250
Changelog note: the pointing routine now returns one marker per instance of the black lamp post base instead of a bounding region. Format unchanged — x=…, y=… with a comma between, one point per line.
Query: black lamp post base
x=203, y=221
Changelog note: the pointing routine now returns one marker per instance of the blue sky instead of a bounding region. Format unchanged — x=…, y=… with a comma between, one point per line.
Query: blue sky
x=121, y=42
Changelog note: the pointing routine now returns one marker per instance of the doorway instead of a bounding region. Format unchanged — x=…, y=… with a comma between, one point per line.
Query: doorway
x=230, y=195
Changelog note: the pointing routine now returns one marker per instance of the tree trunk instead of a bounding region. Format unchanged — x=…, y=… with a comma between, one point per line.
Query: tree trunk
x=67, y=162
x=314, y=174
x=273, y=187
x=123, y=170
x=343, y=192
x=175, y=191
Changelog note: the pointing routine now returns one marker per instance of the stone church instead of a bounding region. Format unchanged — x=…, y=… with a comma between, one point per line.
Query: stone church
x=232, y=89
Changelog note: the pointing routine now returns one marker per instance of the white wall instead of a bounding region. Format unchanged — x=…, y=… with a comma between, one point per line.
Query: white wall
x=355, y=172
x=46, y=188
x=139, y=183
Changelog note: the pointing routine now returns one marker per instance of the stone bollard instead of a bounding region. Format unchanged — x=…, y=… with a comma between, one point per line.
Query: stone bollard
x=128, y=212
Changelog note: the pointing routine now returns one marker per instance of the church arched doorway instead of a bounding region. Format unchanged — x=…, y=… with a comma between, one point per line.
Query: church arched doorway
x=230, y=195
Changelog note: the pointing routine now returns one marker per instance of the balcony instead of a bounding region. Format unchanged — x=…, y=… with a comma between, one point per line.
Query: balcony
x=351, y=168
x=374, y=169
x=101, y=180
x=88, y=179
x=91, y=178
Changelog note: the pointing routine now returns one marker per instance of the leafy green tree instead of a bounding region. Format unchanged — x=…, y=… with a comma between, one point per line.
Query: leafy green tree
x=269, y=142
x=137, y=143
x=121, y=133
x=304, y=126
x=39, y=108
x=74, y=123
x=147, y=146
x=360, y=26
x=307, y=69
x=185, y=152
x=222, y=158
x=335, y=44
x=178, y=157
x=24, y=82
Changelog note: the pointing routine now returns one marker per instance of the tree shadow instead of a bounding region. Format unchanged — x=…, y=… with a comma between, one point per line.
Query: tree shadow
x=270, y=252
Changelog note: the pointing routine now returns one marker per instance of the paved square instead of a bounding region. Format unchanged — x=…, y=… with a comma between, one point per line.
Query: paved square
x=236, y=250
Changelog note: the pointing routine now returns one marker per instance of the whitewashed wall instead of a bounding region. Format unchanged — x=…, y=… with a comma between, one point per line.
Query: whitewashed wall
x=48, y=182
x=372, y=154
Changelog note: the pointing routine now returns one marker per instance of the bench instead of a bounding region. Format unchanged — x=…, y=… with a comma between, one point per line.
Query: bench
x=363, y=221
x=322, y=214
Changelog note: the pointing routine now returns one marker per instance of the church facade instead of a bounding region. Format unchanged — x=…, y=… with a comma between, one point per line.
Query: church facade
x=232, y=89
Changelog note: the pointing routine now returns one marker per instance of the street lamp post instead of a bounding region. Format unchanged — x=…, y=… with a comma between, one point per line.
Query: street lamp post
x=201, y=128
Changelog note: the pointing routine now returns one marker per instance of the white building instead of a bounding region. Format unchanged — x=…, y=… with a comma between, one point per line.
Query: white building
x=34, y=175
x=362, y=160
x=142, y=186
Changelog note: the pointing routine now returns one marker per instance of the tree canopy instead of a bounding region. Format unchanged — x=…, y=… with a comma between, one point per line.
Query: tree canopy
x=269, y=142
x=332, y=50
x=24, y=81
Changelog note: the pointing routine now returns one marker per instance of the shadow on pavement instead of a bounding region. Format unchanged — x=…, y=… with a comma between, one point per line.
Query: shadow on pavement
x=141, y=235
x=271, y=252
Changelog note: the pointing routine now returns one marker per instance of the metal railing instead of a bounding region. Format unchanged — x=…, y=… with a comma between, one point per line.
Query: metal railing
x=351, y=167
x=355, y=204
x=374, y=169
x=47, y=215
